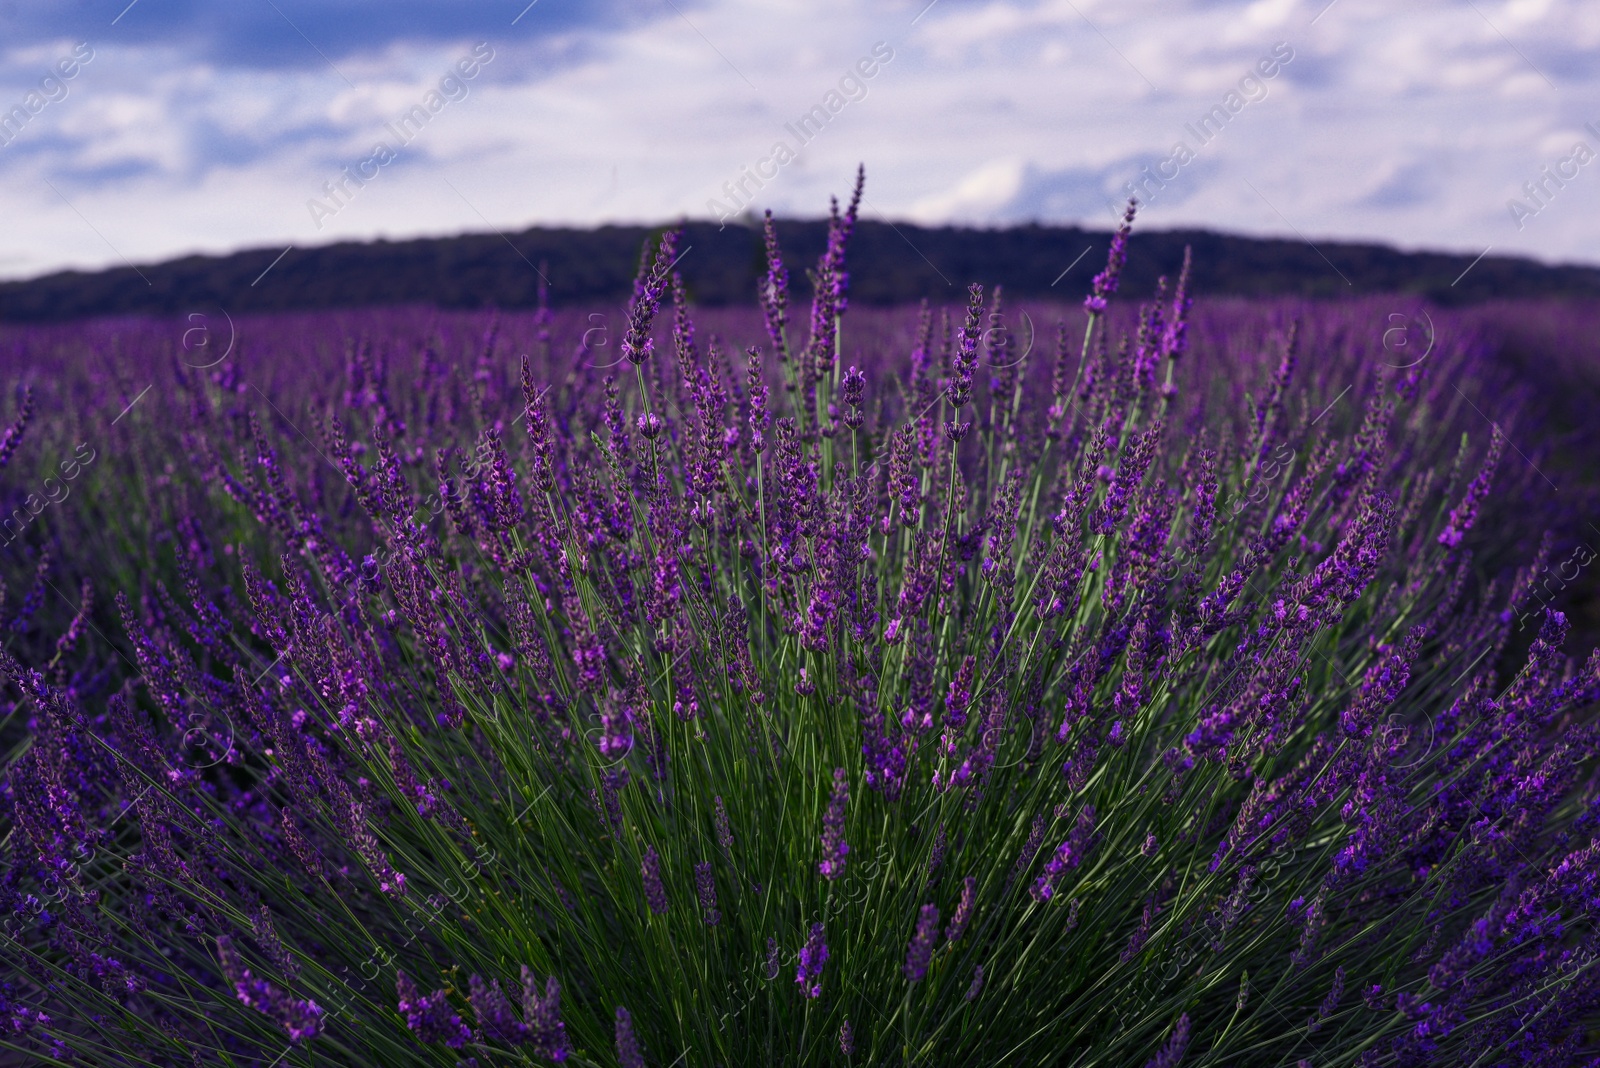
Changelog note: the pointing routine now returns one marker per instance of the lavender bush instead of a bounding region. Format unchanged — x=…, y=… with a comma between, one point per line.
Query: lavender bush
x=1139, y=698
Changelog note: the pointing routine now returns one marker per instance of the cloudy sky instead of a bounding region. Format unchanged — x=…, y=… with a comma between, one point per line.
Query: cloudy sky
x=196, y=125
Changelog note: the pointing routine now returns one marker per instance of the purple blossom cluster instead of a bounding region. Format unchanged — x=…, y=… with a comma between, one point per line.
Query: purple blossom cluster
x=301, y=1018
x=920, y=952
x=1068, y=855
x=834, y=847
x=429, y=1016
x=813, y=955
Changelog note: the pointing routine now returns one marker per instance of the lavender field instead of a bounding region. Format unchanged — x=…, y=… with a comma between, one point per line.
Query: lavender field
x=1166, y=683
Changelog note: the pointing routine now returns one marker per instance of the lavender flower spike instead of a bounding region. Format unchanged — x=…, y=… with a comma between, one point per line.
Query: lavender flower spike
x=1329, y=1004
x=654, y=892
x=301, y=1019
x=636, y=342
x=958, y=922
x=430, y=1017
x=706, y=887
x=976, y=986
x=616, y=729
x=774, y=290
x=959, y=698
x=1105, y=283
x=812, y=957
x=920, y=951
x=1175, y=337
x=1069, y=855
x=723, y=825
x=1172, y=1053
x=1466, y=513
x=495, y=1019
x=628, y=1053
x=547, y=1033
x=834, y=847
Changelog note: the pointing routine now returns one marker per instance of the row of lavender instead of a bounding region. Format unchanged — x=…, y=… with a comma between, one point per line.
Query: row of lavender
x=397, y=688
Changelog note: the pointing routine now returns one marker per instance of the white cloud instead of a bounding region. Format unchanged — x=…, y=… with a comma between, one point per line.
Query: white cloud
x=978, y=196
x=1410, y=125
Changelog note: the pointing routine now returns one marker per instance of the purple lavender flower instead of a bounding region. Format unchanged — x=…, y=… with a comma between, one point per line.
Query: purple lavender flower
x=760, y=418
x=847, y=1039
x=1136, y=941
x=429, y=1017
x=405, y=779
x=905, y=488
x=546, y=1033
x=936, y=855
x=589, y=655
x=959, y=699
x=1466, y=513
x=303, y=851
x=637, y=344
x=966, y=357
x=1383, y=683
x=501, y=503
x=17, y=1020
x=706, y=887
x=616, y=728
x=1069, y=854
x=301, y=1018
x=628, y=1052
x=813, y=955
x=1315, y=919
x=853, y=390
x=1030, y=848
x=541, y=434
x=496, y=1020
x=12, y=437
x=654, y=891
x=828, y=298
x=608, y=803
x=976, y=986
x=1172, y=1053
x=958, y=922
x=1129, y=474
x=1105, y=283
x=920, y=952
x=1329, y=1003
x=1175, y=338
x=834, y=847
x=774, y=292
x=724, y=828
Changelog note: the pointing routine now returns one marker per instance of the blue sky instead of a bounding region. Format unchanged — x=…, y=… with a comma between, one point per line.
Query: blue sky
x=213, y=126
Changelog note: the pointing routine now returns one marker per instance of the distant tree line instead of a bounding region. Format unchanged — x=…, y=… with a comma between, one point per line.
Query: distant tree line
x=889, y=263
